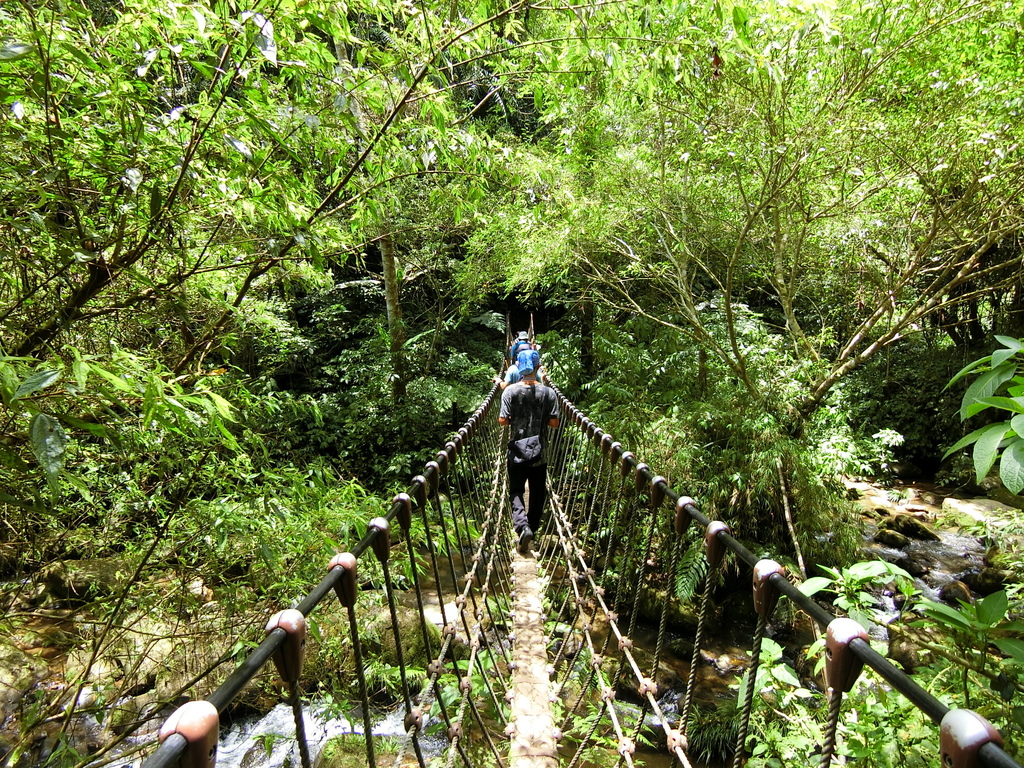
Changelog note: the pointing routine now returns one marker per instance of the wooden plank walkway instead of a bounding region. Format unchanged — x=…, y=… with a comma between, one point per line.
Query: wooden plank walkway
x=533, y=741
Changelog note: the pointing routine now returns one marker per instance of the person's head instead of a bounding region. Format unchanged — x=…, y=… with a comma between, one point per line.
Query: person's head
x=524, y=336
x=528, y=361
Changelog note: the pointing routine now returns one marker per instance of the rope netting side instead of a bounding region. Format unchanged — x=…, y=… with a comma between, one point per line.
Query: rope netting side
x=604, y=578
x=459, y=498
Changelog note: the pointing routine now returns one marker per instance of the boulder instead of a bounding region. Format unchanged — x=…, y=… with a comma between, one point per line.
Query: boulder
x=915, y=563
x=1003, y=496
x=910, y=526
x=968, y=511
x=988, y=580
x=893, y=539
x=19, y=672
x=955, y=592
x=86, y=579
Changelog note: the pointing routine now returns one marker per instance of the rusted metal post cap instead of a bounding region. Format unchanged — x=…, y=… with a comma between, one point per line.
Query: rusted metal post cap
x=404, y=511
x=432, y=472
x=345, y=587
x=682, y=520
x=289, y=657
x=713, y=546
x=606, y=444
x=382, y=541
x=598, y=436
x=640, y=476
x=199, y=724
x=453, y=447
x=419, y=491
x=658, y=486
x=442, y=462
x=628, y=463
x=962, y=734
x=842, y=666
x=615, y=452
x=766, y=594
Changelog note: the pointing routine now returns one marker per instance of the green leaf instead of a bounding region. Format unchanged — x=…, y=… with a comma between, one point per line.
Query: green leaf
x=964, y=441
x=1013, y=346
x=1011, y=466
x=945, y=615
x=15, y=51
x=1011, y=647
x=786, y=675
x=48, y=441
x=35, y=382
x=967, y=369
x=814, y=585
x=986, y=385
x=987, y=448
x=1011, y=404
x=740, y=19
x=992, y=609
x=224, y=408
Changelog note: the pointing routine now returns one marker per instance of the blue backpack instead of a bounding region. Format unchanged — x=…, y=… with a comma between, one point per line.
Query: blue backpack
x=518, y=346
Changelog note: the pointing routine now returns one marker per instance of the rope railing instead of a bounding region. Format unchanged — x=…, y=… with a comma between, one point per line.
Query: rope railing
x=452, y=503
x=586, y=458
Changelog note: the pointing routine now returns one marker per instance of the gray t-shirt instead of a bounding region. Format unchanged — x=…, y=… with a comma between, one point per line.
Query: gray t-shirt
x=528, y=408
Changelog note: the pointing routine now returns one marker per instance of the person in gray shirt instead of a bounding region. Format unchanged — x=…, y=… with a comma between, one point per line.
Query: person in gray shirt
x=528, y=408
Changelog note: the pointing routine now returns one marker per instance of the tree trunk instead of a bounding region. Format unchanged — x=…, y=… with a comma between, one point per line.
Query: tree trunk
x=396, y=328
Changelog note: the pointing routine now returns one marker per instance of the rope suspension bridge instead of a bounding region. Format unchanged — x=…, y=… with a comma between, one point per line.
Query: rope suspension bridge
x=560, y=623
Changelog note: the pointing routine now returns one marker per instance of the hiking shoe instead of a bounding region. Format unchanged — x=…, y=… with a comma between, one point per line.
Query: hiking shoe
x=525, y=541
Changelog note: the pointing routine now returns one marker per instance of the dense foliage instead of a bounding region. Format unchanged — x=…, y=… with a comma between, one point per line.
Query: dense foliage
x=256, y=259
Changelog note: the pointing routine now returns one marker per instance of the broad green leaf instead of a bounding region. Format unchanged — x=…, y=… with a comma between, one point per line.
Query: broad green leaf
x=987, y=448
x=986, y=385
x=967, y=369
x=740, y=19
x=114, y=379
x=224, y=408
x=81, y=485
x=48, y=441
x=964, y=441
x=265, y=38
x=1011, y=466
x=1013, y=347
x=1011, y=647
x=1011, y=404
x=784, y=674
x=814, y=585
x=945, y=615
x=35, y=382
x=80, y=370
x=992, y=609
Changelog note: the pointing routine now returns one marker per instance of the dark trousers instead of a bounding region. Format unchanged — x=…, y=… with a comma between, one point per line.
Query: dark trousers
x=518, y=476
